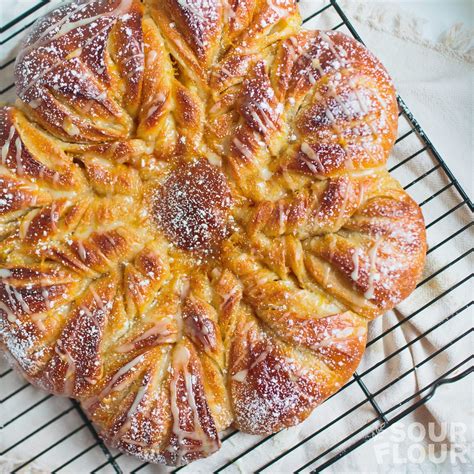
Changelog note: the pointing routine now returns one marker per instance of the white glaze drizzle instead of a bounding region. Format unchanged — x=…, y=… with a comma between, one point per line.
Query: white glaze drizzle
x=6, y=145
x=313, y=156
x=243, y=148
x=160, y=328
x=137, y=400
x=373, y=274
x=281, y=218
x=111, y=387
x=10, y=315
x=56, y=177
x=332, y=47
x=160, y=100
x=35, y=103
x=281, y=12
x=71, y=368
x=15, y=297
x=229, y=12
x=67, y=27
x=23, y=303
x=97, y=299
x=265, y=173
x=90, y=315
x=355, y=260
x=262, y=118
x=207, y=445
x=70, y=128
x=5, y=273
x=337, y=336
x=242, y=374
x=19, y=165
x=81, y=250
x=38, y=320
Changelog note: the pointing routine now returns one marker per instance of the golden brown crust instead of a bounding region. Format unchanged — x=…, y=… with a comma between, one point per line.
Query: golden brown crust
x=196, y=221
x=379, y=253
x=85, y=52
x=300, y=349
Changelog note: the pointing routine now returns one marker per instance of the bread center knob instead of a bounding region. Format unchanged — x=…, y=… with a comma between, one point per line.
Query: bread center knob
x=192, y=205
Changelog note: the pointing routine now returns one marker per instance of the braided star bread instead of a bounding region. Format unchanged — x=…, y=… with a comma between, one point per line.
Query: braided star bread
x=197, y=222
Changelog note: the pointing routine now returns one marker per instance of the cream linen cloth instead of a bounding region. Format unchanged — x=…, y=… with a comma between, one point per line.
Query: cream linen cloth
x=435, y=79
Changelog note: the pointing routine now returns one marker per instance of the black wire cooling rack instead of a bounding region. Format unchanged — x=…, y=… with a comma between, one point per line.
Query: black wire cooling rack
x=71, y=443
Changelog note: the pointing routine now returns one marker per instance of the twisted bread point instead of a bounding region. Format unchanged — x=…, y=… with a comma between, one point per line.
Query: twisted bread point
x=196, y=221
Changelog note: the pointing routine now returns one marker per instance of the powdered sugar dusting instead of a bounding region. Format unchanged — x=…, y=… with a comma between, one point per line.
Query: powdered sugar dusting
x=192, y=205
x=178, y=274
x=201, y=16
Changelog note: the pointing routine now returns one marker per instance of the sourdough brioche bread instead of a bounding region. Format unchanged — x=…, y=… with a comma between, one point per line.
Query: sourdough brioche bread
x=196, y=219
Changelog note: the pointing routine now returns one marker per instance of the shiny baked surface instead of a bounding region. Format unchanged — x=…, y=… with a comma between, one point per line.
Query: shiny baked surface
x=196, y=220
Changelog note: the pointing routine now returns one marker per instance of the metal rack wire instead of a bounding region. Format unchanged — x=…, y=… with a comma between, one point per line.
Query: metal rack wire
x=73, y=433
